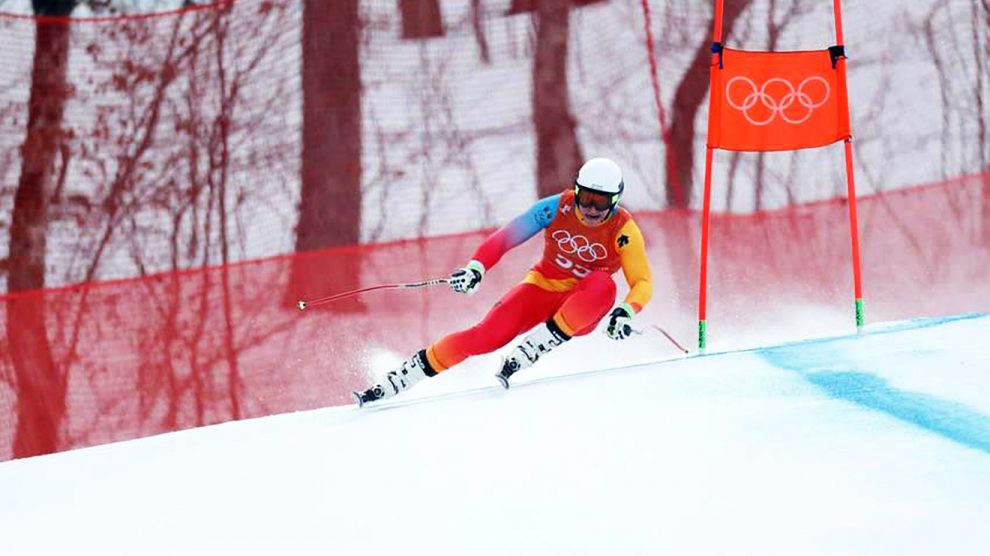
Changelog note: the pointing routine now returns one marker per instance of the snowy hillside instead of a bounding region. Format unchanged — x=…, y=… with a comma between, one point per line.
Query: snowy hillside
x=872, y=445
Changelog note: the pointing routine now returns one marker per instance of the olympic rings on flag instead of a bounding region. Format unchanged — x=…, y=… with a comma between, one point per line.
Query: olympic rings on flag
x=776, y=107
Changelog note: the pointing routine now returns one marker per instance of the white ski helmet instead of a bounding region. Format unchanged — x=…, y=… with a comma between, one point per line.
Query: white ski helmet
x=603, y=178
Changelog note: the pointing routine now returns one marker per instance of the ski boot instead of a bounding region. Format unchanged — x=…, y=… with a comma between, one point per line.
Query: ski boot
x=538, y=342
x=415, y=369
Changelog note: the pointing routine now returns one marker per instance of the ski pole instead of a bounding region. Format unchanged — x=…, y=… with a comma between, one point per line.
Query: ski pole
x=666, y=335
x=321, y=300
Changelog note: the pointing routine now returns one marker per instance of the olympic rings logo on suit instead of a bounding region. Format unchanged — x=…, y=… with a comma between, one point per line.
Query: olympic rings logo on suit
x=580, y=246
x=777, y=107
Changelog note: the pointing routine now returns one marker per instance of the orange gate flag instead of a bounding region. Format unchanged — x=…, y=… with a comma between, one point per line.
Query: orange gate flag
x=777, y=101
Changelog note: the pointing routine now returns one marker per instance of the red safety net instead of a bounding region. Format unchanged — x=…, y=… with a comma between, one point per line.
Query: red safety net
x=178, y=191
x=172, y=351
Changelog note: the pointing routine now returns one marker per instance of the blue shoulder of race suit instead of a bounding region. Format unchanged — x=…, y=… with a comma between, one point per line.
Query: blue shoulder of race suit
x=518, y=230
x=538, y=217
x=545, y=210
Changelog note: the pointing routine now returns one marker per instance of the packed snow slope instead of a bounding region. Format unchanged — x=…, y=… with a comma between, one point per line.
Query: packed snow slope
x=877, y=444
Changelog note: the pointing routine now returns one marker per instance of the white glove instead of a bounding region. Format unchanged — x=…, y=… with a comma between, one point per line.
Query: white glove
x=467, y=279
x=620, y=322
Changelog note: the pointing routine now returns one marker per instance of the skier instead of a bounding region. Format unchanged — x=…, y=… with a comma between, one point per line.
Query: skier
x=588, y=237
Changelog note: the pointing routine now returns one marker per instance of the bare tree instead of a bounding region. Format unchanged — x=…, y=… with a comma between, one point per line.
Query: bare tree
x=687, y=100
x=979, y=60
x=477, y=25
x=330, y=203
x=524, y=6
x=193, y=183
x=139, y=195
x=985, y=5
x=962, y=139
x=40, y=383
x=421, y=19
x=558, y=152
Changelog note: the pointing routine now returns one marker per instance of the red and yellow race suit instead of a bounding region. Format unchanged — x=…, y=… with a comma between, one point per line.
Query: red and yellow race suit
x=571, y=284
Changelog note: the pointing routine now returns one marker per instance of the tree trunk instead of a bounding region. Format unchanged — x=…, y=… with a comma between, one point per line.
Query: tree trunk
x=558, y=152
x=330, y=201
x=986, y=212
x=986, y=168
x=525, y=6
x=688, y=97
x=477, y=24
x=421, y=19
x=331, y=159
x=40, y=384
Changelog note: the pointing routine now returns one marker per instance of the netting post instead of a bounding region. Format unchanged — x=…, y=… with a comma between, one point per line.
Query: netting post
x=850, y=183
x=705, y=221
x=854, y=235
x=707, y=202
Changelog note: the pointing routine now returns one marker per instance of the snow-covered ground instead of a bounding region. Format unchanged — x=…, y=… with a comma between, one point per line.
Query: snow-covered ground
x=874, y=445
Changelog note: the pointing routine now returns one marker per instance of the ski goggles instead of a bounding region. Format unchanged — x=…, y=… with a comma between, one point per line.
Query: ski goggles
x=587, y=198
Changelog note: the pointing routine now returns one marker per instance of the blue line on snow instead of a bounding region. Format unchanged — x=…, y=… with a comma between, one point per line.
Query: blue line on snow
x=823, y=365
x=872, y=330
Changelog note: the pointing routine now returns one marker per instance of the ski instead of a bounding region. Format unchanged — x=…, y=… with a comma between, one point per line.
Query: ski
x=504, y=383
